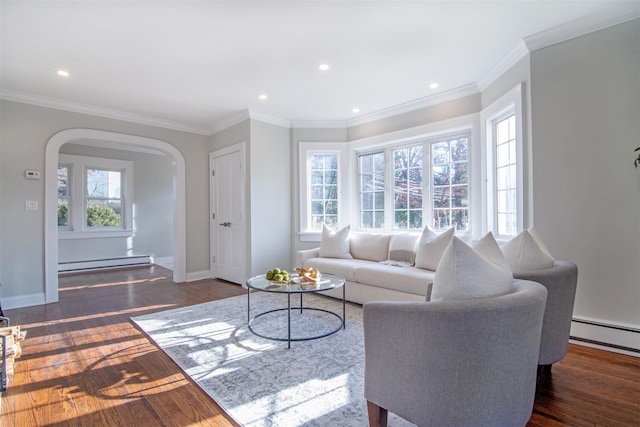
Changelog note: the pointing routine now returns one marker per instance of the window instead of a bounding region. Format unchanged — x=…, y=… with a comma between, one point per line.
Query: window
x=103, y=200
x=322, y=166
x=94, y=196
x=506, y=175
x=407, y=187
x=396, y=196
x=450, y=183
x=64, y=198
x=323, y=170
x=371, y=167
x=504, y=183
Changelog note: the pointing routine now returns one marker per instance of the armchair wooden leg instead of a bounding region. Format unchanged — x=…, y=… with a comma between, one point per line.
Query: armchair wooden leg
x=377, y=415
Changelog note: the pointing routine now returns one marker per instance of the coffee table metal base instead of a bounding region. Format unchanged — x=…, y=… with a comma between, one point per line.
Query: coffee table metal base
x=288, y=339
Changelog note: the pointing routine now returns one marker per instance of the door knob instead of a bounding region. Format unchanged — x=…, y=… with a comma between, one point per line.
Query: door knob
x=226, y=224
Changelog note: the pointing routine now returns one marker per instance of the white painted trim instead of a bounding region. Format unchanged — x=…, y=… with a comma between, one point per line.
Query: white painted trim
x=105, y=263
x=75, y=107
x=23, y=301
x=229, y=121
x=512, y=58
x=606, y=332
x=581, y=27
x=461, y=92
x=319, y=124
x=270, y=119
x=51, y=199
x=165, y=262
x=198, y=275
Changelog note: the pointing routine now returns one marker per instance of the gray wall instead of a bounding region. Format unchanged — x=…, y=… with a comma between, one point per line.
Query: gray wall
x=586, y=124
x=24, y=132
x=153, y=209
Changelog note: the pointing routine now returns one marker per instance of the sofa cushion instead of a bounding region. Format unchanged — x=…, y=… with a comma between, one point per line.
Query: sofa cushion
x=465, y=274
x=526, y=252
x=369, y=246
x=431, y=246
x=402, y=248
x=335, y=244
x=404, y=279
x=343, y=267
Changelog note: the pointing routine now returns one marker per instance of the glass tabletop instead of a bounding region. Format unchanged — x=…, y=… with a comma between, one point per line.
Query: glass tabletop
x=326, y=281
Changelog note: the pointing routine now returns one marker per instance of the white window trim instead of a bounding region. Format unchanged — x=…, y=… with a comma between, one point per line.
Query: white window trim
x=509, y=103
x=78, y=165
x=304, y=150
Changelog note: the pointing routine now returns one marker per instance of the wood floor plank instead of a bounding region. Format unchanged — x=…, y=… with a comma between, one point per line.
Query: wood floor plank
x=84, y=363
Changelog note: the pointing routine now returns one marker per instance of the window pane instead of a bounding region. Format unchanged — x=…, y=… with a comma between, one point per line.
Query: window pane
x=407, y=183
x=104, y=213
x=415, y=219
x=450, y=183
x=324, y=189
x=371, y=171
x=103, y=183
x=63, y=196
x=506, y=177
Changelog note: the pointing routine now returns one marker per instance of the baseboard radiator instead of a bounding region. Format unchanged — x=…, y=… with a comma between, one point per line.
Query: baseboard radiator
x=97, y=264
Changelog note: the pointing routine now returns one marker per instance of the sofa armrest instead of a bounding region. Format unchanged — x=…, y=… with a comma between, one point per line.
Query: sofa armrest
x=302, y=256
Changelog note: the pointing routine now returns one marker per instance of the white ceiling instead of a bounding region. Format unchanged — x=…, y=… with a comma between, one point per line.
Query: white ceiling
x=195, y=65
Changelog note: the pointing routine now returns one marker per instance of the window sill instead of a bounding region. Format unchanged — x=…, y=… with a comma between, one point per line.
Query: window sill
x=64, y=234
x=310, y=236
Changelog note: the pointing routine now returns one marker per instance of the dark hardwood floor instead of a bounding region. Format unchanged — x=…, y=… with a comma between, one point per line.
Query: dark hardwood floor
x=85, y=364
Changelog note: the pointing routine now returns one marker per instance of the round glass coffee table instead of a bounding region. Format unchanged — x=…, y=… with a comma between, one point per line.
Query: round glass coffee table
x=327, y=281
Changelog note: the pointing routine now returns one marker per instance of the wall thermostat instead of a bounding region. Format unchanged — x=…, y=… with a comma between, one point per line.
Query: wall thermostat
x=32, y=174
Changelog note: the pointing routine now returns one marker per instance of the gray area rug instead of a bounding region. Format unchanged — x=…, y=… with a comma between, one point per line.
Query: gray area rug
x=259, y=382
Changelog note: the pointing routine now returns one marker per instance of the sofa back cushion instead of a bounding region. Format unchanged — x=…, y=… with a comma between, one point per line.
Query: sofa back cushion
x=431, y=246
x=335, y=244
x=369, y=246
x=402, y=248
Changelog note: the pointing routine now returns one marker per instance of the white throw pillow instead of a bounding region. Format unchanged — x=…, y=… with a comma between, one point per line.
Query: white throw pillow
x=335, y=244
x=489, y=248
x=369, y=246
x=526, y=252
x=465, y=274
x=431, y=246
x=402, y=249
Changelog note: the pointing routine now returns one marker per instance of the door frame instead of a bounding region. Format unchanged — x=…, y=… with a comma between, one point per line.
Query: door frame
x=240, y=146
x=51, y=198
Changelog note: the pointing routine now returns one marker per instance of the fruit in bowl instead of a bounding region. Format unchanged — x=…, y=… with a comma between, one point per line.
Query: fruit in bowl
x=277, y=275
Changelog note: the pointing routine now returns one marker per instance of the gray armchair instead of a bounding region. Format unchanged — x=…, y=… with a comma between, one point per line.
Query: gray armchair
x=561, y=281
x=454, y=363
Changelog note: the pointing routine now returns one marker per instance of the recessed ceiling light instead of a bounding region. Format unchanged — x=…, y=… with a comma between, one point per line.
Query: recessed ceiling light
x=323, y=67
x=355, y=110
x=262, y=96
x=434, y=85
x=63, y=73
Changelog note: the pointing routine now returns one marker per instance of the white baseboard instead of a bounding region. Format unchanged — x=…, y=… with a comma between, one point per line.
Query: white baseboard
x=65, y=267
x=166, y=262
x=607, y=335
x=198, y=275
x=22, y=301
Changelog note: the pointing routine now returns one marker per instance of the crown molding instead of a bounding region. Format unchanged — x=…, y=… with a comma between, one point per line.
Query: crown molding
x=43, y=101
x=319, y=124
x=270, y=119
x=228, y=121
x=512, y=58
x=417, y=104
x=583, y=26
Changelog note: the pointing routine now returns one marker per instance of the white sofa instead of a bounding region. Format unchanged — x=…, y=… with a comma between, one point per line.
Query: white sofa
x=380, y=270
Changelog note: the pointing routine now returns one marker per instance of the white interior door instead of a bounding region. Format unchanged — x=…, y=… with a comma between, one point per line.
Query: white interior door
x=228, y=227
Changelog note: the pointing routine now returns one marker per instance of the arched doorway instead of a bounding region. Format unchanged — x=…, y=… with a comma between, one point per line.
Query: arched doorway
x=51, y=201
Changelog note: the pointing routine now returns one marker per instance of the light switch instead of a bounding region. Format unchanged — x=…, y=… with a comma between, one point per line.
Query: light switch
x=31, y=205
